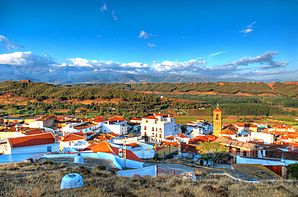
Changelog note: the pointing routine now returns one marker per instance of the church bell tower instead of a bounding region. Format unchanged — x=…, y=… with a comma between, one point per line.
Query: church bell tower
x=217, y=121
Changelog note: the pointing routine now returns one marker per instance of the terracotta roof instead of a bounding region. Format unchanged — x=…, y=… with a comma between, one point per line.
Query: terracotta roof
x=102, y=138
x=170, y=144
x=217, y=110
x=79, y=127
x=112, y=134
x=170, y=137
x=34, y=131
x=150, y=117
x=105, y=147
x=198, y=139
x=137, y=118
x=31, y=140
x=182, y=135
x=133, y=144
x=45, y=117
x=228, y=131
x=163, y=115
x=98, y=119
x=71, y=137
x=245, y=125
x=235, y=143
x=115, y=119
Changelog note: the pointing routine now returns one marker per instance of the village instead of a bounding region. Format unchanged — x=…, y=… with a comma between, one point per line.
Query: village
x=153, y=145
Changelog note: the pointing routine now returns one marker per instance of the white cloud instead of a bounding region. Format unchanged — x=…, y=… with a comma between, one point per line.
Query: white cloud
x=217, y=53
x=103, y=7
x=114, y=16
x=144, y=35
x=151, y=45
x=4, y=41
x=24, y=59
x=176, y=66
x=135, y=65
x=265, y=59
x=260, y=65
x=248, y=29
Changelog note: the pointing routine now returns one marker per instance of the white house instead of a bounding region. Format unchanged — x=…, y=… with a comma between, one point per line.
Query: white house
x=72, y=142
x=43, y=122
x=157, y=127
x=80, y=127
x=37, y=143
x=142, y=150
x=120, y=158
x=267, y=138
x=117, y=125
x=199, y=128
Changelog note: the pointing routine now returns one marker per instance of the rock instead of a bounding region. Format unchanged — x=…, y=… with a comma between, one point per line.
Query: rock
x=189, y=176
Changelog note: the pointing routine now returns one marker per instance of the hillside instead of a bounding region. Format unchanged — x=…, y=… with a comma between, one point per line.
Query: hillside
x=43, y=179
x=87, y=91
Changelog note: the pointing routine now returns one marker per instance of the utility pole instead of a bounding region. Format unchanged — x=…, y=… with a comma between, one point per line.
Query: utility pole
x=124, y=152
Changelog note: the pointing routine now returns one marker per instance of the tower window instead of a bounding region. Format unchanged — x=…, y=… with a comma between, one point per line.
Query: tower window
x=217, y=117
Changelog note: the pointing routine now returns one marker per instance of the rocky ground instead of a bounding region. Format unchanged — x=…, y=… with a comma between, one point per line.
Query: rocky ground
x=43, y=179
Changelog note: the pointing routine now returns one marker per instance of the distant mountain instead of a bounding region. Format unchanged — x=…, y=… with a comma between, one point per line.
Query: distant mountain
x=73, y=75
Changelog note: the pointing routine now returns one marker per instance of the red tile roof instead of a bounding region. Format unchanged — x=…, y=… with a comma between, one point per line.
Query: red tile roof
x=198, y=139
x=112, y=134
x=105, y=147
x=98, y=119
x=116, y=119
x=32, y=140
x=228, y=131
x=217, y=110
x=170, y=144
x=150, y=117
x=102, y=138
x=136, y=118
x=182, y=135
x=71, y=137
x=46, y=117
x=170, y=137
x=133, y=144
x=34, y=131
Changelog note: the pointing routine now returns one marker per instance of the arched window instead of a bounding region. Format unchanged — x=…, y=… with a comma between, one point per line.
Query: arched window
x=217, y=117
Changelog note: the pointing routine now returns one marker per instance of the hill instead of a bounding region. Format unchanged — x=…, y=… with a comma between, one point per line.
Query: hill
x=43, y=179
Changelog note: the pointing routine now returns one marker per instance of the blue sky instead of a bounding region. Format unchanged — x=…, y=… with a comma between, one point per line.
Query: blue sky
x=165, y=36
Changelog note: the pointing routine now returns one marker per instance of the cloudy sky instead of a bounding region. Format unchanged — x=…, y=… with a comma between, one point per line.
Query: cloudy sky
x=252, y=39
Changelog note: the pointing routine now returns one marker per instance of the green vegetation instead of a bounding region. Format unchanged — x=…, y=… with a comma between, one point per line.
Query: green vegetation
x=292, y=171
x=214, y=152
x=134, y=99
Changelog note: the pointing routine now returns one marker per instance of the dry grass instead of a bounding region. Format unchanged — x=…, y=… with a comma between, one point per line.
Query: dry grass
x=43, y=179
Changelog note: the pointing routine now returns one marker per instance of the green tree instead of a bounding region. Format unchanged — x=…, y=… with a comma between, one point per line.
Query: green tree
x=213, y=151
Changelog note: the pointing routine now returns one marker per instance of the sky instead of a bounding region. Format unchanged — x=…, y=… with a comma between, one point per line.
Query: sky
x=224, y=39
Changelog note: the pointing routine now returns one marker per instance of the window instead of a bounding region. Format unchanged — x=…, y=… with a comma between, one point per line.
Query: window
x=217, y=117
x=49, y=149
x=145, y=128
x=237, y=151
x=146, y=121
x=244, y=153
x=160, y=136
x=69, y=143
x=152, y=128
